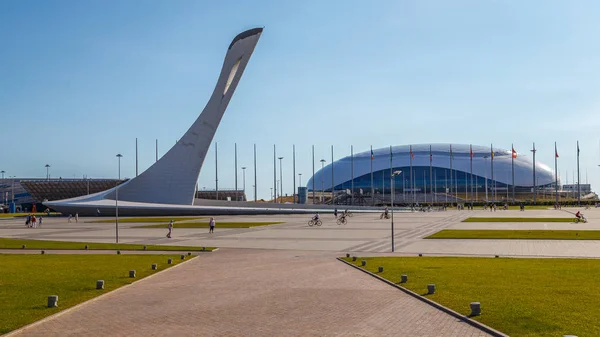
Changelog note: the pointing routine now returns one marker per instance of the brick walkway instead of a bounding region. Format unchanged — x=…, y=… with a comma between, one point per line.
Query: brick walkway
x=257, y=293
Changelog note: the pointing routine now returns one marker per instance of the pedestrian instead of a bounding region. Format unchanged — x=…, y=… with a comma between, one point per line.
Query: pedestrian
x=97, y=211
x=33, y=221
x=211, y=224
x=335, y=212
x=76, y=217
x=40, y=222
x=170, y=229
x=69, y=218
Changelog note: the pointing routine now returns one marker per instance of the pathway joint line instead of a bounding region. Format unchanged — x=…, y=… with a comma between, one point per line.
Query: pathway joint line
x=436, y=305
x=91, y=300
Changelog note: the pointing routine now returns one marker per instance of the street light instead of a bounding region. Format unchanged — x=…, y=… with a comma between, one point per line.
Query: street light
x=47, y=172
x=395, y=173
x=486, y=187
x=244, y=179
x=119, y=156
x=300, y=178
x=5, y=172
x=322, y=182
x=280, y=181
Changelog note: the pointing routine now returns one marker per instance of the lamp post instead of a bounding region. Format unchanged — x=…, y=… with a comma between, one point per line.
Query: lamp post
x=119, y=156
x=486, y=187
x=244, y=179
x=300, y=179
x=322, y=182
x=280, y=181
x=395, y=173
x=272, y=193
x=47, y=172
x=2, y=173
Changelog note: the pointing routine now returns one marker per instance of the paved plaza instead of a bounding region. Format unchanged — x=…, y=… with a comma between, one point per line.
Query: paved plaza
x=284, y=279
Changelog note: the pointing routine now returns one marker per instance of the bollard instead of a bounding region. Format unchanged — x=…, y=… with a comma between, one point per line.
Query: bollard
x=203, y=248
x=132, y=273
x=380, y=269
x=404, y=278
x=170, y=261
x=23, y=247
x=145, y=248
x=43, y=252
x=431, y=289
x=354, y=258
x=496, y=256
x=182, y=257
x=347, y=255
x=420, y=254
x=363, y=263
x=154, y=266
x=118, y=252
x=86, y=247
x=475, y=308
x=100, y=284
x=189, y=254
x=52, y=301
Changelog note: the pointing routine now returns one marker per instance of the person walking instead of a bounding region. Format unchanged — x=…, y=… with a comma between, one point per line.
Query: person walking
x=69, y=218
x=40, y=222
x=211, y=224
x=76, y=217
x=170, y=229
x=33, y=221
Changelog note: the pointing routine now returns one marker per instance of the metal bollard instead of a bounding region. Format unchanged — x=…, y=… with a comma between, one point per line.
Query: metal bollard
x=496, y=256
x=182, y=257
x=132, y=273
x=145, y=248
x=203, y=248
x=23, y=246
x=100, y=284
x=86, y=247
x=431, y=289
x=43, y=252
x=380, y=269
x=347, y=255
x=189, y=254
x=52, y=301
x=475, y=308
x=363, y=263
x=420, y=254
x=170, y=261
x=354, y=258
x=154, y=266
x=404, y=278
x=118, y=252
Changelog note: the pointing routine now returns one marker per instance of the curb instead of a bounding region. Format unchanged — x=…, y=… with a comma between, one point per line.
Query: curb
x=91, y=300
x=436, y=305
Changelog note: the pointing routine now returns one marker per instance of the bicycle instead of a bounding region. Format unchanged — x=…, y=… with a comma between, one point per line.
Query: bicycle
x=342, y=221
x=383, y=215
x=313, y=222
x=582, y=219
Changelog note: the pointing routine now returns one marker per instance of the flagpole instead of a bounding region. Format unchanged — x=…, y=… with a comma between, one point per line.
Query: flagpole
x=313, y=171
x=534, y=187
x=391, y=183
x=493, y=181
x=411, y=177
x=513, y=171
x=578, y=178
x=236, y=171
x=352, y=173
x=274, y=174
x=451, y=171
x=372, y=187
x=216, y=171
x=294, y=192
x=255, y=187
x=431, y=173
x=332, y=184
x=556, y=173
x=471, y=164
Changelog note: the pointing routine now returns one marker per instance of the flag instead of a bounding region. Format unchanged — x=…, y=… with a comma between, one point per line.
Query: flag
x=471, y=151
x=492, y=151
x=372, y=155
x=578, y=148
x=555, y=152
x=412, y=155
x=430, y=154
x=514, y=153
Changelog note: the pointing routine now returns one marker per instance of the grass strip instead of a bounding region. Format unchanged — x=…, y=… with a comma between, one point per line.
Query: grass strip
x=476, y=219
x=6, y=243
x=22, y=215
x=218, y=225
x=144, y=220
x=541, y=234
x=520, y=297
x=27, y=281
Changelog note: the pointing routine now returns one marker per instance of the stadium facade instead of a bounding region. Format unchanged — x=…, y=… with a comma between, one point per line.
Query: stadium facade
x=449, y=169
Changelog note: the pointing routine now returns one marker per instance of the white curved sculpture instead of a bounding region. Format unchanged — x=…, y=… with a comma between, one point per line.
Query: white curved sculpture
x=172, y=179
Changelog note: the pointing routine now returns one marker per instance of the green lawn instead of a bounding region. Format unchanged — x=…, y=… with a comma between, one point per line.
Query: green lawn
x=476, y=219
x=516, y=234
x=26, y=281
x=204, y=224
x=6, y=243
x=14, y=215
x=144, y=220
x=520, y=297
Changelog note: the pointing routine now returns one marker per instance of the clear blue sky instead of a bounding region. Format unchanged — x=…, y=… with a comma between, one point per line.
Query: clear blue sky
x=79, y=80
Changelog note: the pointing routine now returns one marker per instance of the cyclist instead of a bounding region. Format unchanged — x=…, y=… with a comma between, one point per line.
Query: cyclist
x=316, y=217
x=579, y=215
